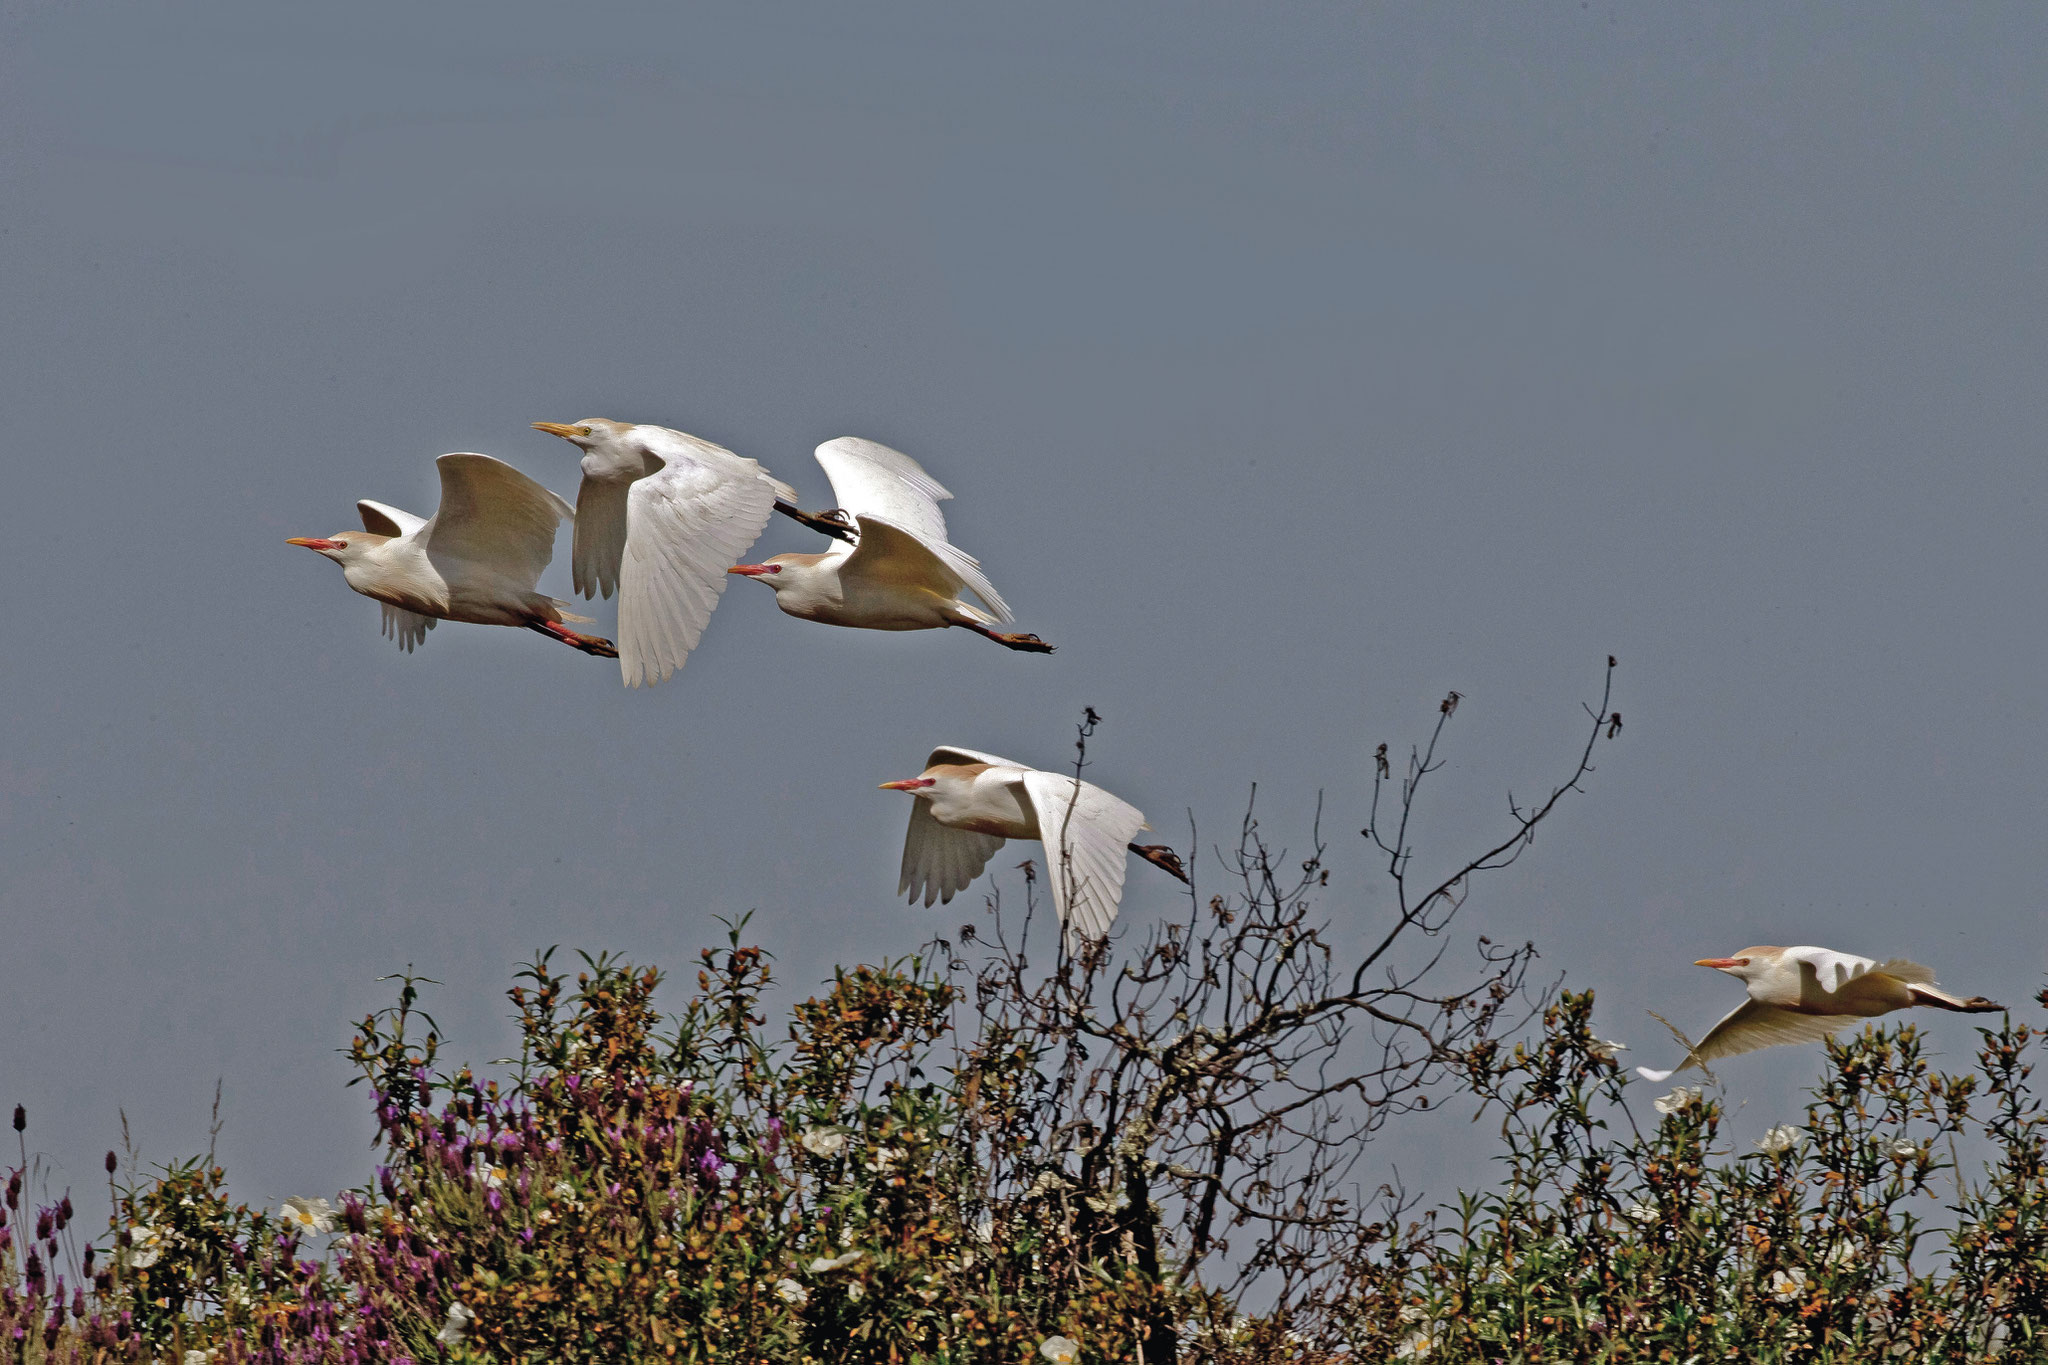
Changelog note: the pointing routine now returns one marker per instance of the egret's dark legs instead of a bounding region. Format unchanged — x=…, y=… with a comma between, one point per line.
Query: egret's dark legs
x=1030, y=644
x=1163, y=858
x=833, y=522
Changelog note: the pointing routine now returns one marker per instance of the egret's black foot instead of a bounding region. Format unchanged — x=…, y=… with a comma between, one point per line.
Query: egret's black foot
x=1030, y=644
x=1163, y=858
x=831, y=522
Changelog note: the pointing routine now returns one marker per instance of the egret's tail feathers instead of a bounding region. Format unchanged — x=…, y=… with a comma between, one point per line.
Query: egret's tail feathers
x=1659, y=1076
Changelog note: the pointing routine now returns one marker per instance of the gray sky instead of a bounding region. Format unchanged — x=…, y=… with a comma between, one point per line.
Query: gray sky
x=1292, y=366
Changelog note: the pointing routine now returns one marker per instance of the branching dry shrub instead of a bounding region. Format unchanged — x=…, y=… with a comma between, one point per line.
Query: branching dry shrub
x=946, y=1158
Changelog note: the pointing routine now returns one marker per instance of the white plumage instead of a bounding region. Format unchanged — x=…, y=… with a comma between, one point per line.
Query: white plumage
x=658, y=517
x=902, y=572
x=1804, y=994
x=968, y=804
x=478, y=558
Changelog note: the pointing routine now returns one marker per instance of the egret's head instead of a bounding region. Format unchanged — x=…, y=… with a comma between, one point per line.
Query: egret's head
x=339, y=547
x=591, y=431
x=1748, y=963
x=916, y=786
x=774, y=570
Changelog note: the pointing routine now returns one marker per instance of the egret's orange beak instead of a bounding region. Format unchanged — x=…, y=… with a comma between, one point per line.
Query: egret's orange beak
x=754, y=570
x=315, y=543
x=1722, y=963
x=909, y=784
x=567, y=433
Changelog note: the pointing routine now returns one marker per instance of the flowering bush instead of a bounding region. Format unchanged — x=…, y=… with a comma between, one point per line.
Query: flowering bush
x=650, y=1189
x=1851, y=1237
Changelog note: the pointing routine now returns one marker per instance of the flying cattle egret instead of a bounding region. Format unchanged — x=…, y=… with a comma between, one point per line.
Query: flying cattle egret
x=900, y=572
x=1801, y=995
x=969, y=803
x=476, y=559
x=659, y=515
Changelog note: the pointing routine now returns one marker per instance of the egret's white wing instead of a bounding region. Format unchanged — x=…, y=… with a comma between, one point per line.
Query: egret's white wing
x=1751, y=1025
x=600, y=543
x=1910, y=972
x=1086, y=833
x=886, y=553
x=409, y=628
x=938, y=860
x=871, y=480
x=381, y=518
x=492, y=514
x=685, y=523
x=666, y=443
x=1831, y=969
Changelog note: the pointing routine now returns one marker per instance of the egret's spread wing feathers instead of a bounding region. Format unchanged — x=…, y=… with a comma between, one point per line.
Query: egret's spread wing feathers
x=684, y=524
x=1086, y=833
x=1831, y=969
x=938, y=860
x=492, y=514
x=409, y=628
x=872, y=482
x=600, y=543
x=383, y=519
x=889, y=554
x=1752, y=1025
x=870, y=479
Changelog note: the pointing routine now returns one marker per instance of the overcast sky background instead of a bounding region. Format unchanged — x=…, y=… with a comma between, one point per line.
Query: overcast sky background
x=1292, y=365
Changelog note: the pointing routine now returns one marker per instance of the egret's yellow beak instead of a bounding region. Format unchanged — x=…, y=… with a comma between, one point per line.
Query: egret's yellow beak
x=567, y=433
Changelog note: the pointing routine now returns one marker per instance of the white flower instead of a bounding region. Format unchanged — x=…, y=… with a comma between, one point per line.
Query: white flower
x=562, y=1189
x=1905, y=1149
x=200, y=1357
x=1787, y=1285
x=455, y=1326
x=145, y=1245
x=856, y=1291
x=885, y=1158
x=1781, y=1139
x=1642, y=1213
x=985, y=1229
x=1060, y=1350
x=826, y=1265
x=1047, y=1182
x=1415, y=1346
x=312, y=1216
x=823, y=1142
x=790, y=1292
x=1676, y=1100
x=1605, y=1048
x=1842, y=1255
x=484, y=1171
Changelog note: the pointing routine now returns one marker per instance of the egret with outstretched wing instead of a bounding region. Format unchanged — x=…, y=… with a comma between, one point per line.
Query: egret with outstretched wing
x=969, y=803
x=1802, y=995
x=900, y=572
x=658, y=517
x=478, y=558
